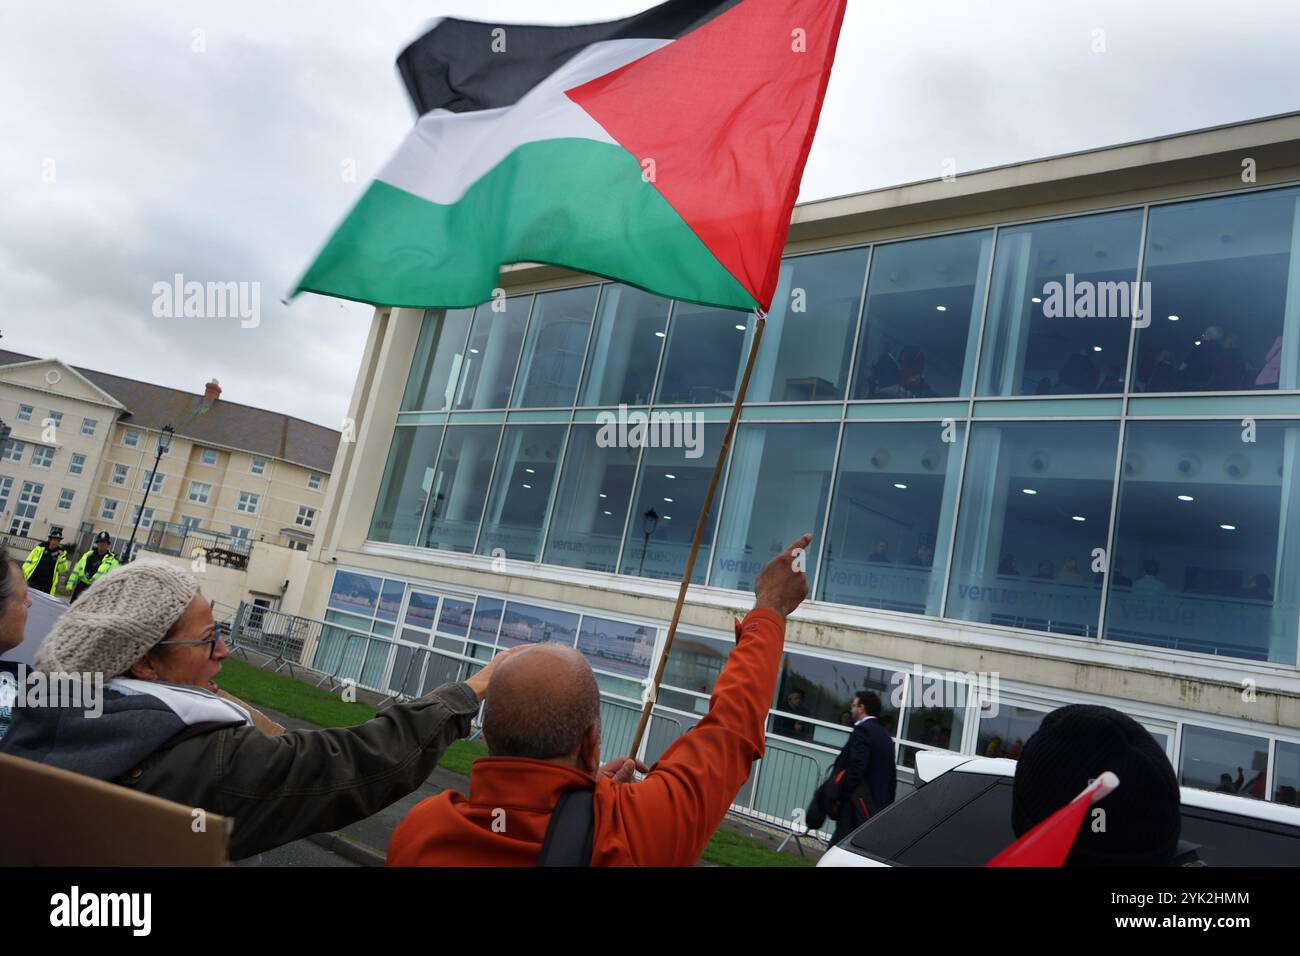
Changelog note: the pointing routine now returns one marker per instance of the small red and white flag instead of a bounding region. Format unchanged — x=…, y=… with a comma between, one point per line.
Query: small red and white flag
x=1049, y=843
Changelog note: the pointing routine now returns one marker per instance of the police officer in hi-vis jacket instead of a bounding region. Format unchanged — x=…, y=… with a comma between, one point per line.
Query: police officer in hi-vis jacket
x=46, y=563
x=94, y=564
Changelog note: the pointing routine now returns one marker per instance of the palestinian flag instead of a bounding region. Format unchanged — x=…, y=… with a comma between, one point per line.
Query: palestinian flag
x=663, y=150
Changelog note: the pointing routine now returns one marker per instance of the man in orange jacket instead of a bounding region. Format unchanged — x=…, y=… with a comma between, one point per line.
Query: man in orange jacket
x=542, y=728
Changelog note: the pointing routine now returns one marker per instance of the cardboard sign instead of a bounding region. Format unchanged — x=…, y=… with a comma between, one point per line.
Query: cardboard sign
x=52, y=817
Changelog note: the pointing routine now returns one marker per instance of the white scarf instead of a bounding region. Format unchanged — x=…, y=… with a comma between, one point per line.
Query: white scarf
x=193, y=705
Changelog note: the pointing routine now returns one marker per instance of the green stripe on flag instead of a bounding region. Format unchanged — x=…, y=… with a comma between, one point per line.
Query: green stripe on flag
x=575, y=203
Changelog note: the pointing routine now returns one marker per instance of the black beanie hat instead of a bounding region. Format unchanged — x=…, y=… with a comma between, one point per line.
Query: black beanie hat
x=1078, y=743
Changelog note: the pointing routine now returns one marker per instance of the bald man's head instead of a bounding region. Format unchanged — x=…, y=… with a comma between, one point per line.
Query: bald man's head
x=543, y=701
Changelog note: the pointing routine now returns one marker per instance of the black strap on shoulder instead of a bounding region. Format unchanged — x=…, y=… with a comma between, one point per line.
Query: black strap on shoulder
x=569, y=834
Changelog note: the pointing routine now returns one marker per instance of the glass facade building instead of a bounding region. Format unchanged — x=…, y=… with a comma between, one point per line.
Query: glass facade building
x=1062, y=435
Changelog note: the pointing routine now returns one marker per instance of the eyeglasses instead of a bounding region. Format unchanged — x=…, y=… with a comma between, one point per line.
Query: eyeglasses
x=212, y=651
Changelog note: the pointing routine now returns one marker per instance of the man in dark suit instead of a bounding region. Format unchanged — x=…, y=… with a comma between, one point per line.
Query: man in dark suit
x=865, y=767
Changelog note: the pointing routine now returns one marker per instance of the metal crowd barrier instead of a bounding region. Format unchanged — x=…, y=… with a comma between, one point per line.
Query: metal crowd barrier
x=277, y=636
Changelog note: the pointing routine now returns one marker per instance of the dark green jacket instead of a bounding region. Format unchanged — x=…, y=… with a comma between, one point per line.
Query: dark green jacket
x=276, y=789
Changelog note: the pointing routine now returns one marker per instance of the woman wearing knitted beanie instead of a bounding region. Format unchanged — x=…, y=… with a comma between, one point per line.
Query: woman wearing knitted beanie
x=145, y=630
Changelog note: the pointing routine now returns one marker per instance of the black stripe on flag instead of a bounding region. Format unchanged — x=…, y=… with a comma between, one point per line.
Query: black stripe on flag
x=461, y=65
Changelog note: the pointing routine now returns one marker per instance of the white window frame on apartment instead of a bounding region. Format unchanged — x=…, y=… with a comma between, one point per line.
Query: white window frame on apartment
x=198, y=496
x=131, y=438
x=159, y=479
x=53, y=418
x=314, y=481
x=306, y=516
x=6, y=489
x=120, y=473
x=25, y=413
x=88, y=426
x=66, y=497
x=25, y=510
x=206, y=454
x=248, y=503
x=108, y=510
x=190, y=523
x=241, y=533
x=257, y=466
x=146, y=518
x=76, y=464
x=40, y=459
x=13, y=451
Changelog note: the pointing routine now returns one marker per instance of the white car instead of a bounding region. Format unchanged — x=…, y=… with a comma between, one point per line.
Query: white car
x=960, y=815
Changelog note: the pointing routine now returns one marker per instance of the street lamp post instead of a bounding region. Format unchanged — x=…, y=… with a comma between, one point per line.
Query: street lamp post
x=164, y=443
x=649, y=521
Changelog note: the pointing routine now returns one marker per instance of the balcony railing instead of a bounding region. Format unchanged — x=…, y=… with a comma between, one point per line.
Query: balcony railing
x=180, y=540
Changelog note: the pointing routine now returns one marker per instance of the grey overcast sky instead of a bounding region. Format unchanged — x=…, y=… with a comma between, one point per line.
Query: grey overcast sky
x=128, y=156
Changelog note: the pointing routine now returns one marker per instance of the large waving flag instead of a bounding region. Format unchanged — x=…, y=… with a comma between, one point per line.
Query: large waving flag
x=663, y=150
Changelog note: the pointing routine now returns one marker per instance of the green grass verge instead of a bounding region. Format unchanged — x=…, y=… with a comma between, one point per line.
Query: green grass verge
x=261, y=688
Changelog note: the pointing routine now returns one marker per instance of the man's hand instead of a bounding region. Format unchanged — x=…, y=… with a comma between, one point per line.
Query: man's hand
x=479, y=682
x=621, y=770
x=779, y=587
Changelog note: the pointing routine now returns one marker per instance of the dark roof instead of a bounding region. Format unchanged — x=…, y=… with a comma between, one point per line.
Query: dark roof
x=222, y=423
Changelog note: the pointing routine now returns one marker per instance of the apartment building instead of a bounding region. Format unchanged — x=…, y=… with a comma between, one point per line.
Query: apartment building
x=84, y=444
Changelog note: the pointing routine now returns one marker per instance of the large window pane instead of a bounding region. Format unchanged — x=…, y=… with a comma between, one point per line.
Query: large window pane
x=703, y=359
x=492, y=353
x=1005, y=733
x=1225, y=291
x=891, y=516
x=694, y=663
x=617, y=646
x=591, y=504
x=922, y=317
x=527, y=624
x=1035, y=504
x=405, y=489
x=671, y=486
x=355, y=593
x=521, y=490
x=439, y=355
x=777, y=488
x=557, y=340
x=809, y=335
x=828, y=687
x=1061, y=306
x=625, y=347
x=487, y=620
x=1207, y=544
x=459, y=486
x=1223, y=761
x=421, y=610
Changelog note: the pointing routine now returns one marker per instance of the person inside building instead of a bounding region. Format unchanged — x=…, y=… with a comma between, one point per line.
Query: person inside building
x=92, y=566
x=165, y=732
x=46, y=563
x=543, y=784
x=1078, y=743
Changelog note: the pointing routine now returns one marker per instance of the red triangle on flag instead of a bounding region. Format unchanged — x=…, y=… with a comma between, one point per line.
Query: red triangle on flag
x=1050, y=842
x=722, y=119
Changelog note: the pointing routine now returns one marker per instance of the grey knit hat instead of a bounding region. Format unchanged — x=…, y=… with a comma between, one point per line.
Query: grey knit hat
x=117, y=619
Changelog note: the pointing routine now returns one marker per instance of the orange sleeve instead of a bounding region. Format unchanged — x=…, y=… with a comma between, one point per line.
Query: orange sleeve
x=668, y=818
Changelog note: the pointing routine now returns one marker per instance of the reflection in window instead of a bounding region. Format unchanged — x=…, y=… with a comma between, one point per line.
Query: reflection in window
x=921, y=322
x=702, y=363
x=1061, y=305
x=694, y=663
x=399, y=509
x=521, y=490
x=526, y=624
x=492, y=353
x=458, y=487
x=1036, y=502
x=891, y=516
x=1286, y=773
x=1223, y=761
x=487, y=619
x=1207, y=543
x=1225, y=295
x=390, y=601
x=936, y=710
x=782, y=474
x=591, y=504
x=829, y=685
x=420, y=610
x=617, y=646
x=625, y=347
x=670, y=493
x=439, y=354
x=355, y=593
x=1005, y=733
x=455, y=617
x=557, y=340
x=809, y=335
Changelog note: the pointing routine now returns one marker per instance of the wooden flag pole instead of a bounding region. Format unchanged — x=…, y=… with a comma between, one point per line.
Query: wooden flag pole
x=700, y=525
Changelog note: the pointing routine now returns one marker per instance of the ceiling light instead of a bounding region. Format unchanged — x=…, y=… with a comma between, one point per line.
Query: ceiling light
x=1186, y=498
x=941, y=308
x=528, y=486
x=530, y=471
x=660, y=335
x=609, y=512
x=740, y=328
x=669, y=500
x=1173, y=318
x=666, y=475
x=1036, y=299
x=899, y=484
x=1096, y=348
x=1078, y=518
x=475, y=351
x=1197, y=342
x=603, y=495
x=1228, y=527
x=668, y=517
x=1029, y=491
